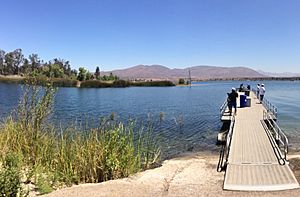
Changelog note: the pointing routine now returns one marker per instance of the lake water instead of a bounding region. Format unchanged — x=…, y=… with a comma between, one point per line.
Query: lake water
x=190, y=114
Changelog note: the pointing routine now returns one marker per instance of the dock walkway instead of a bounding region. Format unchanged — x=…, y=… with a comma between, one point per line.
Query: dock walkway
x=254, y=162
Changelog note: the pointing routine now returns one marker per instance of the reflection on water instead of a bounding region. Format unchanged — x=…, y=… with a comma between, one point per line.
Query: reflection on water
x=186, y=118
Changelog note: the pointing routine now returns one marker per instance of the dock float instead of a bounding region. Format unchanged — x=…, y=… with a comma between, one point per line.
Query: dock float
x=254, y=155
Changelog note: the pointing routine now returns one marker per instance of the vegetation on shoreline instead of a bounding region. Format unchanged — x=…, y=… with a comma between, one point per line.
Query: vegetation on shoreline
x=153, y=83
x=252, y=79
x=100, y=84
x=123, y=83
x=14, y=63
x=60, y=82
x=56, y=82
x=60, y=72
x=50, y=158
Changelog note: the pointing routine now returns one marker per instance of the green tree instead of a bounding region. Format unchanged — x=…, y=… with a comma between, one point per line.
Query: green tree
x=73, y=74
x=97, y=73
x=2, y=61
x=52, y=70
x=104, y=78
x=111, y=77
x=13, y=61
x=63, y=64
x=89, y=76
x=34, y=62
x=82, y=74
x=26, y=67
x=46, y=70
x=56, y=71
x=181, y=81
x=68, y=70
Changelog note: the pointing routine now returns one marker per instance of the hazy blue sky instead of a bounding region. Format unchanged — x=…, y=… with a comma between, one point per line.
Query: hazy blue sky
x=261, y=34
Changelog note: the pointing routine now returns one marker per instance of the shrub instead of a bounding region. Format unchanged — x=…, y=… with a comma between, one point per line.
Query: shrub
x=56, y=82
x=42, y=80
x=101, y=84
x=181, y=81
x=60, y=82
x=10, y=80
x=120, y=83
x=94, y=84
x=10, y=177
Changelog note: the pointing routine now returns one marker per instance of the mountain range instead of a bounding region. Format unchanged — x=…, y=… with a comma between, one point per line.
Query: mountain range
x=284, y=74
x=158, y=72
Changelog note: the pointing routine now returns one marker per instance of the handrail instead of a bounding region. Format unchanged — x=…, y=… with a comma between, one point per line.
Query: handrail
x=223, y=107
x=229, y=136
x=268, y=105
x=226, y=148
x=279, y=136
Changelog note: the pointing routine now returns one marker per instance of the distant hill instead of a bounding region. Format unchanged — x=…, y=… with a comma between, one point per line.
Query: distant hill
x=285, y=74
x=157, y=72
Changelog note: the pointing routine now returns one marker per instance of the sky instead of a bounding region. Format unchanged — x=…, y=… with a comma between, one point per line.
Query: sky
x=115, y=34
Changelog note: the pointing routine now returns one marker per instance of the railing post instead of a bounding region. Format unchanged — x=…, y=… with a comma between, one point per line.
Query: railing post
x=277, y=136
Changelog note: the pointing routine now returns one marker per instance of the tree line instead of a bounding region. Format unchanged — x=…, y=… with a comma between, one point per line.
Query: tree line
x=14, y=63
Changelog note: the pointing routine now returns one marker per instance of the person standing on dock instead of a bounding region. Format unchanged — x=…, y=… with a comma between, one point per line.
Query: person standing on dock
x=232, y=100
x=262, y=92
x=257, y=90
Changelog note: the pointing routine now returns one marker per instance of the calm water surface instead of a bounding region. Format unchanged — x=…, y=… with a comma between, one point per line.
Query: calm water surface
x=190, y=114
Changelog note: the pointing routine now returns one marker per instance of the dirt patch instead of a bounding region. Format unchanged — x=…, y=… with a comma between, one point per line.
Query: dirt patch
x=192, y=174
x=295, y=166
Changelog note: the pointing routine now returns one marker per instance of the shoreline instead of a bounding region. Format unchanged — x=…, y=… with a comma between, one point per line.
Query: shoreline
x=190, y=174
x=63, y=82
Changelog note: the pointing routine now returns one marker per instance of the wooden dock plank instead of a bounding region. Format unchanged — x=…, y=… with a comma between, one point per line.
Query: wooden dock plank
x=252, y=163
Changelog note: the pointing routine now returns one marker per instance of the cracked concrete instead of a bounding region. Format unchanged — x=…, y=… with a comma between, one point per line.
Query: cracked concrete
x=190, y=175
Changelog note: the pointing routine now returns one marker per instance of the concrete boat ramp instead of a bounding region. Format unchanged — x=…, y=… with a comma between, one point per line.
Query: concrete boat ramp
x=255, y=149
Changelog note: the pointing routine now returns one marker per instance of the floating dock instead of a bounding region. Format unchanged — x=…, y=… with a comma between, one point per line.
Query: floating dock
x=254, y=156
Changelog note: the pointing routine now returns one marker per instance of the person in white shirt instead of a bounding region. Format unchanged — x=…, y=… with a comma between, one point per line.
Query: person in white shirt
x=257, y=90
x=262, y=92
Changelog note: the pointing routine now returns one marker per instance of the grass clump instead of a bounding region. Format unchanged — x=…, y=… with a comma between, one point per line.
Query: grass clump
x=4, y=79
x=41, y=80
x=10, y=176
x=95, y=84
x=59, y=82
x=102, y=84
x=52, y=158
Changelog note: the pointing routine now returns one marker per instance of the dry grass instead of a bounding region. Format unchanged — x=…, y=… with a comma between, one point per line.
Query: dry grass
x=52, y=158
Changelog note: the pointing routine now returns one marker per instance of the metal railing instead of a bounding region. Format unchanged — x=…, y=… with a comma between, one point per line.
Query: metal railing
x=270, y=107
x=223, y=107
x=224, y=153
x=267, y=104
x=277, y=137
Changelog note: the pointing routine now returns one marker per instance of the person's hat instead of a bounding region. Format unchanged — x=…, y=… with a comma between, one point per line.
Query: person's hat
x=262, y=84
x=233, y=89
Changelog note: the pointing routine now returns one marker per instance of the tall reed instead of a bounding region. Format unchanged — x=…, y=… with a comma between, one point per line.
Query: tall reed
x=54, y=157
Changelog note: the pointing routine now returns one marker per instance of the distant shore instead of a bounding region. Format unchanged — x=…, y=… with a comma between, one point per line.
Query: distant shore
x=251, y=79
x=62, y=82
